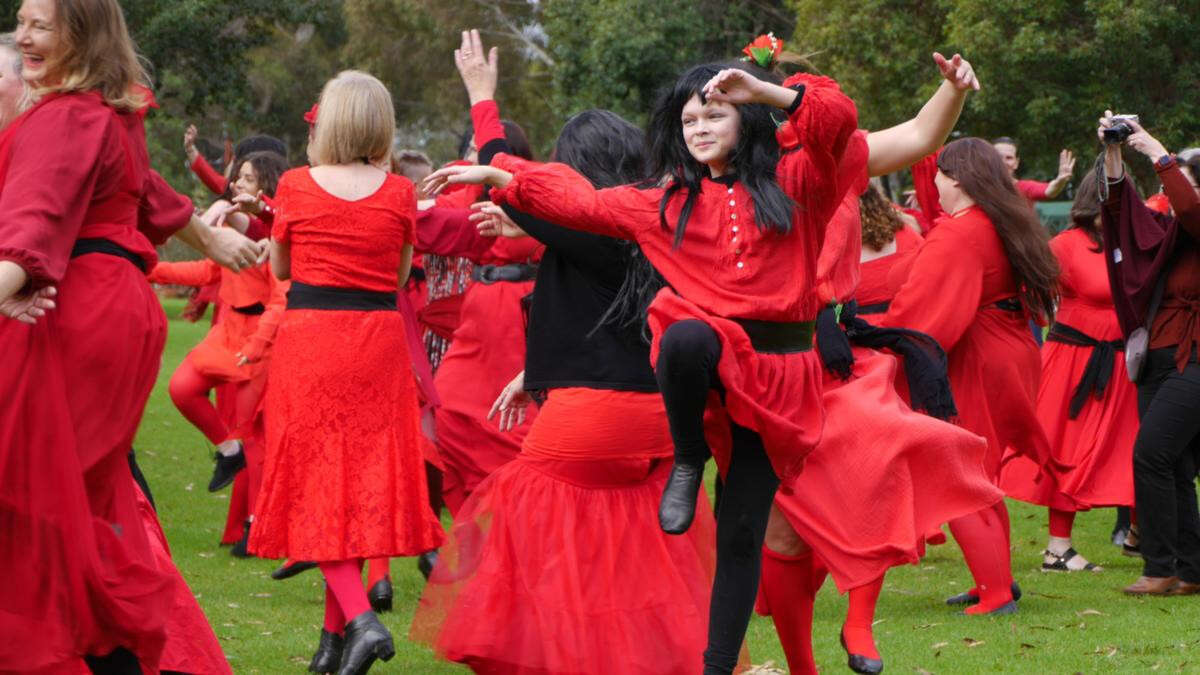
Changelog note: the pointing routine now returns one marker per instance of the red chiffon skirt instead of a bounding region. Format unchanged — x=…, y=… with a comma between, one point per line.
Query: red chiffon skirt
x=881, y=477
x=776, y=395
x=556, y=564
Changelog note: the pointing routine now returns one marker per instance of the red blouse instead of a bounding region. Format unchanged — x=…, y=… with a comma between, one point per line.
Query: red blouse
x=726, y=265
x=341, y=243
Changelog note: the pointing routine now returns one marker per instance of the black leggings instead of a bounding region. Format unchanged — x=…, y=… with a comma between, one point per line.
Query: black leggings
x=686, y=371
x=1164, y=467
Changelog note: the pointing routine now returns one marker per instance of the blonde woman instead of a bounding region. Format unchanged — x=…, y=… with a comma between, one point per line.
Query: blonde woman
x=343, y=479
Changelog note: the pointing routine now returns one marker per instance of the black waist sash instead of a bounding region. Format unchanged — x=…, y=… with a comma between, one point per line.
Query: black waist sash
x=877, y=308
x=515, y=272
x=257, y=309
x=779, y=337
x=307, y=296
x=1099, y=368
x=107, y=247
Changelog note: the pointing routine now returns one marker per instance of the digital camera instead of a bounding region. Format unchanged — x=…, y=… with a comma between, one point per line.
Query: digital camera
x=1120, y=129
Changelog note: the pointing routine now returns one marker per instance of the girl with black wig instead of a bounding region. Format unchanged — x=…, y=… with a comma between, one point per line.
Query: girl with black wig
x=734, y=217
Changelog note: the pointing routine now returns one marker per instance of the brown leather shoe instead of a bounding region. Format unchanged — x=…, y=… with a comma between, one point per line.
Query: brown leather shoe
x=1184, y=588
x=1151, y=586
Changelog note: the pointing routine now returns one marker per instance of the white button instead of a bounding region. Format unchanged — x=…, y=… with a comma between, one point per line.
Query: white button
x=733, y=216
x=735, y=228
x=740, y=265
x=732, y=203
x=735, y=240
x=730, y=190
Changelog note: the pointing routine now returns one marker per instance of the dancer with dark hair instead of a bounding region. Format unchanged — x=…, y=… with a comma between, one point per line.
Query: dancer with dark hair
x=993, y=251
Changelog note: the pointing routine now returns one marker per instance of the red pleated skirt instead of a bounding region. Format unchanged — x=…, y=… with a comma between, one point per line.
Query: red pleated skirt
x=556, y=563
x=881, y=477
x=776, y=395
x=343, y=475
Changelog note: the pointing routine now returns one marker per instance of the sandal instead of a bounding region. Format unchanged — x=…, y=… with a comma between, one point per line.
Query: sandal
x=1060, y=562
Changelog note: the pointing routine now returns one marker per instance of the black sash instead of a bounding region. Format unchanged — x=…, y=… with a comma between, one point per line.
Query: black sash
x=1099, y=368
x=877, y=308
x=256, y=309
x=1009, y=305
x=779, y=337
x=107, y=247
x=307, y=296
x=515, y=272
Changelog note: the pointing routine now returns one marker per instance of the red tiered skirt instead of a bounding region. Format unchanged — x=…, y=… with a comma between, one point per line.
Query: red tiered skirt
x=343, y=477
x=556, y=563
x=881, y=477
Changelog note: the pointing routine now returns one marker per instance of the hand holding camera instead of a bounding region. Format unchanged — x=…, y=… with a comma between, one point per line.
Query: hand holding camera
x=1127, y=129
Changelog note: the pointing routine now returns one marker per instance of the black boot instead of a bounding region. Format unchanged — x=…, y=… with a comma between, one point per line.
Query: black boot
x=678, y=505
x=329, y=653
x=226, y=468
x=239, y=549
x=291, y=568
x=380, y=595
x=425, y=563
x=120, y=661
x=366, y=640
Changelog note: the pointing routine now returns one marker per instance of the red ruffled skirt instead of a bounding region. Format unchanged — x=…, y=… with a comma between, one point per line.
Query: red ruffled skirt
x=343, y=477
x=776, y=395
x=216, y=355
x=556, y=564
x=881, y=477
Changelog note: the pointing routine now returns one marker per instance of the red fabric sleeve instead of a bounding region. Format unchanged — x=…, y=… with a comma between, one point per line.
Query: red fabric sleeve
x=448, y=232
x=1183, y=198
x=56, y=160
x=268, y=324
x=1034, y=191
x=838, y=261
x=279, y=224
x=927, y=192
x=214, y=181
x=189, y=273
x=557, y=193
x=163, y=211
x=947, y=260
x=485, y=118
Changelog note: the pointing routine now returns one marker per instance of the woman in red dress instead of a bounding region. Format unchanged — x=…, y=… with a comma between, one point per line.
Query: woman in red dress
x=343, y=479
x=1086, y=404
x=736, y=235
x=993, y=251
x=77, y=569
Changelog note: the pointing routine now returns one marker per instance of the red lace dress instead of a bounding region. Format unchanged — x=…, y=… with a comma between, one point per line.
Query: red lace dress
x=343, y=477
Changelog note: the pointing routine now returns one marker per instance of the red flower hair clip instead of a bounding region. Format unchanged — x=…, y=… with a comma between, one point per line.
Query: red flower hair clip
x=311, y=115
x=764, y=51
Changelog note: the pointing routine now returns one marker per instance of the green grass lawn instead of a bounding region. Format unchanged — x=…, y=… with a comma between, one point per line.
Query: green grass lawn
x=1067, y=623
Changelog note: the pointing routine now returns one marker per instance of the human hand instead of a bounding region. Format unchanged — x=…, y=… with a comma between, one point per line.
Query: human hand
x=511, y=403
x=230, y=248
x=252, y=352
x=957, y=71
x=479, y=70
x=734, y=85
x=1066, y=164
x=29, y=307
x=1143, y=142
x=476, y=174
x=247, y=203
x=492, y=221
x=189, y=142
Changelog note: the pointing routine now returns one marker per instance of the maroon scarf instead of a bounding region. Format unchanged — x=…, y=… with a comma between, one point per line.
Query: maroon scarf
x=1138, y=243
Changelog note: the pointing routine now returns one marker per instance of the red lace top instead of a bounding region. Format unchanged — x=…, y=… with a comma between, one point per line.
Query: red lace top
x=340, y=243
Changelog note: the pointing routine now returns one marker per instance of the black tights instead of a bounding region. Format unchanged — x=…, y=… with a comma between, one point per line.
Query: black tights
x=686, y=371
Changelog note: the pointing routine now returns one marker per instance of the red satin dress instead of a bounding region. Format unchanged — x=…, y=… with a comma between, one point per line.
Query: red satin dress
x=1096, y=448
x=77, y=570
x=344, y=477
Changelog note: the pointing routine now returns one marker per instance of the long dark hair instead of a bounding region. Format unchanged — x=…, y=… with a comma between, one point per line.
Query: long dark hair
x=981, y=173
x=753, y=160
x=246, y=147
x=1086, y=208
x=609, y=151
x=268, y=167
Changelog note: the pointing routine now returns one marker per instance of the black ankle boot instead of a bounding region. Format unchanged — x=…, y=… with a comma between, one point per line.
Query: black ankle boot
x=380, y=595
x=366, y=640
x=678, y=505
x=329, y=653
x=425, y=563
x=226, y=468
x=239, y=550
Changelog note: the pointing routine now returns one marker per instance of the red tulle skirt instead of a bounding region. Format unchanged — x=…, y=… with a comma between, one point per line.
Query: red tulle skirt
x=881, y=477
x=776, y=395
x=556, y=564
x=343, y=477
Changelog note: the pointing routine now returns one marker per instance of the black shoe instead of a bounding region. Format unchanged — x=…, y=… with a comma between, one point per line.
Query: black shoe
x=968, y=599
x=329, y=653
x=380, y=595
x=425, y=563
x=366, y=640
x=292, y=568
x=227, y=468
x=859, y=663
x=678, y=505
x=239, y=549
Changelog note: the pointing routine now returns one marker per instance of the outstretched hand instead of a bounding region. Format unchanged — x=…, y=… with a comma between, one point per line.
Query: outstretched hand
x=189, y=142
x=30, y=307
x=492, y=221
x=958, y=71
x=479, y=69
x=475, y=174
x=511, y=404
x=1066, y=163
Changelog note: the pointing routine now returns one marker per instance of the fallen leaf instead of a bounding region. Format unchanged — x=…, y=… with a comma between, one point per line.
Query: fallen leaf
x=940, y=645
x=188, y=487
x=928, y=625
x=972, y=642
x=1090, y=612
x=1050, y=596
x=922, y=671
x=204, y=554
x=262, y=595
x=1026, y=645
x=233, y=605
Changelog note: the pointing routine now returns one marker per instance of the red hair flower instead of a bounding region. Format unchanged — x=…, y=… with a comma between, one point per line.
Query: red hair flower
x=311, y=115
x=764, y=50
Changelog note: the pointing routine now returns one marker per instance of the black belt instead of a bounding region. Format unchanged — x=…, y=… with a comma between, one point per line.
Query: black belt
x=779, y=337
x=1099, y=368
x=491, y=274
x=307, y=296
x=107, y=247
x=1009, y=305
x=251, y=310
x=877, y=308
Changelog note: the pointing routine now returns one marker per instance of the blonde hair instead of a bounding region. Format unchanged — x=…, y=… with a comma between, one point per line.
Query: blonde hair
x=355, y=121
x=97, y=53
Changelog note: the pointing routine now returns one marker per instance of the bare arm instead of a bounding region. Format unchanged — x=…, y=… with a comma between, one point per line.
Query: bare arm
x=223, y=245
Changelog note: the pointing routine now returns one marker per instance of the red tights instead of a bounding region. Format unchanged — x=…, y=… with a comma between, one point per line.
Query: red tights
x=345, y=597
x=189, y=390
x=983, y=537
x=1061, y=523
